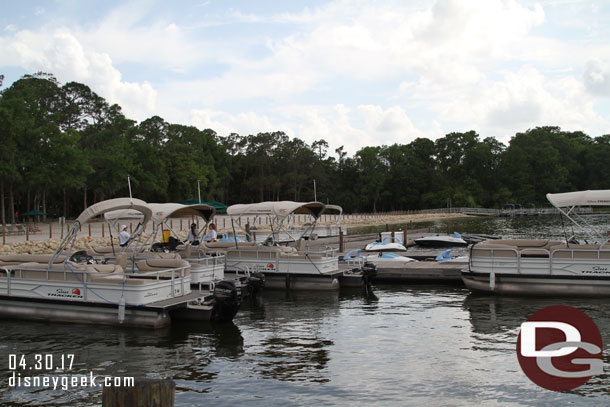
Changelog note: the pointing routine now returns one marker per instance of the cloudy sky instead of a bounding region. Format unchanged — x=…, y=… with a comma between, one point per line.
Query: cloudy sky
x=355, y=73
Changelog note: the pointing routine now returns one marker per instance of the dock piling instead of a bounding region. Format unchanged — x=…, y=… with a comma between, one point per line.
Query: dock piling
x=144, y=393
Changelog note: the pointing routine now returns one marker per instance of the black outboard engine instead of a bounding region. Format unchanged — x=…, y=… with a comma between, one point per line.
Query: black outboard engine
x=227, y=300
x=255, y=283
x=369, y=272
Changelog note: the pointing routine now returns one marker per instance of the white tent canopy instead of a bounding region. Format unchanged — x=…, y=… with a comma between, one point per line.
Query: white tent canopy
x=277, y=209
x=580, y=198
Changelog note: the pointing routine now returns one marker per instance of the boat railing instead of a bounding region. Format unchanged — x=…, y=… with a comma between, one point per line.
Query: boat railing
x=505, y=259
x=86, y=275
x=324, y=251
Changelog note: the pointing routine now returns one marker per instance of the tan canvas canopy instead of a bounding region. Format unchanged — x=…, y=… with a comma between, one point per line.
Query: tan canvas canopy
x=580, y=198
x=277, y=209
x=116, y=204
x=123, y=214
x=162, y=211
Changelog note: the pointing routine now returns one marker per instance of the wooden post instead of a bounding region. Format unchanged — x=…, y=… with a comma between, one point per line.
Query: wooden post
x=51, y=230
x=130, y=228
x=89, y=229
x=341, y=246
x=181, y=223
x=103, y=228
x=404, y=235
x=144, y=393
x=393, y=237
x=27, y=232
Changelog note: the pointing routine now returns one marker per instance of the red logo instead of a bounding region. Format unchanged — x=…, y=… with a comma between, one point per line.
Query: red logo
x=76, y=291
x=560, y=348
x=270, y=265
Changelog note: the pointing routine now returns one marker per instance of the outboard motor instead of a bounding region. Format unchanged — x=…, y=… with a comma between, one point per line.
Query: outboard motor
x=256, y=283
x=369, y=272
x=227, y=300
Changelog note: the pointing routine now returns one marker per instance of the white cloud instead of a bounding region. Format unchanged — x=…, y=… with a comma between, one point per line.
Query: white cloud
x=354, y=73
x=596, y=78
x=60, y=52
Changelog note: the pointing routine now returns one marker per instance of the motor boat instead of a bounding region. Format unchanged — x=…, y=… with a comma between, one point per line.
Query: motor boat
x=287, y=267
x=388, y=244
x=547, y=267
x=75, y=287
x=380, y=259
x=447, y=257
x=454, y=240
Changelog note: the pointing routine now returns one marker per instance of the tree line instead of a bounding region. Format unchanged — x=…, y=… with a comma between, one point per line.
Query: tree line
x=64, y=147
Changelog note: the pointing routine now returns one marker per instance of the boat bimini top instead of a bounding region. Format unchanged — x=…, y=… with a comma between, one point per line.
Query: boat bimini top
x=118, y=204
x=276, y=211
x=161, y=212
x=567, y=202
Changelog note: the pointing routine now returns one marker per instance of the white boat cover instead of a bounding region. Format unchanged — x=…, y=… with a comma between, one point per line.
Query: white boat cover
x=123, y=214
x=580, y=198
x=162, y=211
x=279, y=209
x=116, y=204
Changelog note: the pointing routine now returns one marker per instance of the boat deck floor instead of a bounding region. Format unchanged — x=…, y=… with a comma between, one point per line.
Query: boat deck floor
x=177, y=302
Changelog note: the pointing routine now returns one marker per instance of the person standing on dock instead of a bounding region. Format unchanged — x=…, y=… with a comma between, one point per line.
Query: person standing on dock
x=124, y=236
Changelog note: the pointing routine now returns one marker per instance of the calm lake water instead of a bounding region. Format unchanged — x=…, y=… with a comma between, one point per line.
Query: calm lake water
x=409, y=345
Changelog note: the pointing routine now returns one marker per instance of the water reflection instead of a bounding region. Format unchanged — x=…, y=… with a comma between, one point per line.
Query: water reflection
x=186, y=353
x=288, y=336
x=496, y=321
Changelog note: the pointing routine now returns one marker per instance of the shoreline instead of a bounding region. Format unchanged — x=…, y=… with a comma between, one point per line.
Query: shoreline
x=96, y=234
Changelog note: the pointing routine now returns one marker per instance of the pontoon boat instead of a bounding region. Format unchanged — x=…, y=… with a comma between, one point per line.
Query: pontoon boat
x=547, y=267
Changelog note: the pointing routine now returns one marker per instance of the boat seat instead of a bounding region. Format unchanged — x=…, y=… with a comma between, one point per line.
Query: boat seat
x=168, y=256
x=14, y=259
x=156, y=264
x=103, y=250
x=184, y=250
x=226, y=245
x=581, y=251
x=494, y=249
x=525, y=247
x=62, y=272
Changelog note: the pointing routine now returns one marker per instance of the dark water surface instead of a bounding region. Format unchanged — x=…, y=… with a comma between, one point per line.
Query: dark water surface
x=412, y=345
